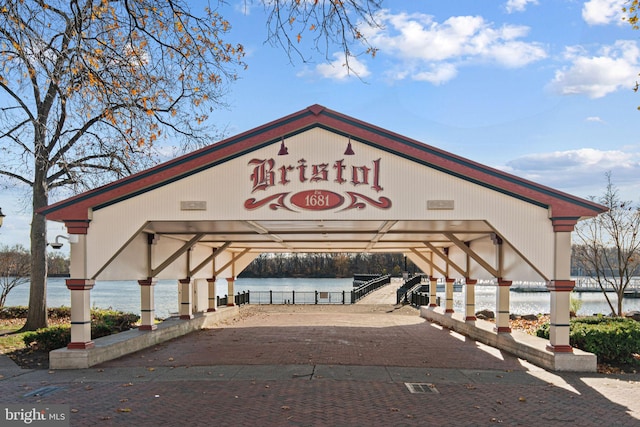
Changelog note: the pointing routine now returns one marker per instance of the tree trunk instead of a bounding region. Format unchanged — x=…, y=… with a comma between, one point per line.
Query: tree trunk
x=37, y=315
x=620, y=299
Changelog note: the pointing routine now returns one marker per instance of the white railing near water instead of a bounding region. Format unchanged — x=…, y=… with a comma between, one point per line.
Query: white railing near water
x=583, y=284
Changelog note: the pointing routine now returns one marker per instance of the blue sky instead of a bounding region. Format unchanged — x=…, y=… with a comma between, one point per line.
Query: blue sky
x=538, y=88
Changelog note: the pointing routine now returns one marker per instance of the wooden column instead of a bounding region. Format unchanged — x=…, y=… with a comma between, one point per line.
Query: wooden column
x=433, y=299
x=560, y=287
x=212, y=294
x=448, y=293
x=186, y=299
x=80, y=313
x=470, y=300
x=230, y=292
x=147, y=304
x=502, y=307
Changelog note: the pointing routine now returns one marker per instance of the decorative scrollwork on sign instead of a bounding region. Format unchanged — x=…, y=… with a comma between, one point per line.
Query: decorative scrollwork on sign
x=279, y=203
x=358, y=202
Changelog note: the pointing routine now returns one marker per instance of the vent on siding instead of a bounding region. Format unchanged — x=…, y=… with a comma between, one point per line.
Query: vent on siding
x=440, y=205
x=193, y=205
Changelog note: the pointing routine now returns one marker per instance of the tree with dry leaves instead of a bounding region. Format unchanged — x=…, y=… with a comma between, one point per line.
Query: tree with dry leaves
x=14, y=270
x=89, y=87
x=608, y=246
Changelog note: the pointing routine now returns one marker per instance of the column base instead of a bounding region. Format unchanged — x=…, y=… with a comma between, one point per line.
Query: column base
x=560, y=348
x=503, y=329
x=80, y=345
x=211, y=310
x=470, y=319
x=231, y=304
x=433, y=305
x=148, y=327
x=449, y=310
x=186, y=316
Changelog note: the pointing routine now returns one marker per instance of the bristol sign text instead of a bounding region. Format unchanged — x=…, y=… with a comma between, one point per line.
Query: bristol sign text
x=269, y=177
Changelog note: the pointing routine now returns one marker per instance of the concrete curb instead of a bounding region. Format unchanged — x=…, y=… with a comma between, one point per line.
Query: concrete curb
x=118, y=345
x=520, y=344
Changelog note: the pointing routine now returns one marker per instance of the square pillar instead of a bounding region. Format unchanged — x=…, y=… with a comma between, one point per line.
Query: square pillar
x=186, y=299
x=211, y=282
x=448, y=294
x=559, y=325
x=433, y=299
x=230, y=295
x=80, y=313
x=147, y=304
x=470, y=300
x=560, y=287
x=502, y=307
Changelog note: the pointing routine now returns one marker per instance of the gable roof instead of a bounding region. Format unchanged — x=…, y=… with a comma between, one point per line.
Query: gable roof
x=562, y=205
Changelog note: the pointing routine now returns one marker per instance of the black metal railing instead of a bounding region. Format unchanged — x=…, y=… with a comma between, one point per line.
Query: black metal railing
x=369, y=287
x=240, y=299
x=299, y=297
x=404, y=292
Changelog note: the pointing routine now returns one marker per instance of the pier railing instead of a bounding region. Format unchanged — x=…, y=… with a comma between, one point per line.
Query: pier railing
x=405, y=291
x=307, y=297
x=369, y=287
x=299, y=297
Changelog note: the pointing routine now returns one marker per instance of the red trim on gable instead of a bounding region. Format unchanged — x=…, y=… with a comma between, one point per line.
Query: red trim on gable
x=74, y=211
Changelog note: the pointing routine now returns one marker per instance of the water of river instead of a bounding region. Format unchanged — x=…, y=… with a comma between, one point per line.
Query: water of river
x=125, y=296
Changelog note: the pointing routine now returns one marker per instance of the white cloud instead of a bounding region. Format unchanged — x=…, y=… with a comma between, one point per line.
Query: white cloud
x=603, y=12
x=594, y=119
x=518, y=5
x=433, y=51
x=337, y=69
x=582, y=171
x=612, y=68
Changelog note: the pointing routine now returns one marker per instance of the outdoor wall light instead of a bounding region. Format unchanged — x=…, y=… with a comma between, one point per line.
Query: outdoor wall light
x=57, y=244
x=1, y=217
x=283, y=149
x=349, y=150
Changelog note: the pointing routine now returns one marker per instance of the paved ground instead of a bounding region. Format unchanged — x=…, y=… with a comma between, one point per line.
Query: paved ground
x=327, y=366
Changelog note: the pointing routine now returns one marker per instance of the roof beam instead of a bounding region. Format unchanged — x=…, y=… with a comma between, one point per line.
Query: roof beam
x=234, y=258
x=428, y=261
x=467, y=250
x=188, y=245
x=210, y=258
x=446, y=259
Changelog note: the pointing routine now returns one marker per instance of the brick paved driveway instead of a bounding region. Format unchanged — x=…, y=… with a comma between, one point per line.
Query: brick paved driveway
x=328, y=366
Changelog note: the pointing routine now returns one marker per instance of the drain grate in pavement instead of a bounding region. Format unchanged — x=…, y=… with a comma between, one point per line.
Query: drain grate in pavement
x=422, y=388
x=43, y=391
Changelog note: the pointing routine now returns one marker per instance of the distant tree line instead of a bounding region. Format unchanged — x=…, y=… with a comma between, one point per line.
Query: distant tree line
x=327, y=265
x=14, y=261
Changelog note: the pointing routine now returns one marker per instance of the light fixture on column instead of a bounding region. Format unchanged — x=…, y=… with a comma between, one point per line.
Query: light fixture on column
x=1, y=217
x=349, y=150
x=57, y=244
x=283, y=149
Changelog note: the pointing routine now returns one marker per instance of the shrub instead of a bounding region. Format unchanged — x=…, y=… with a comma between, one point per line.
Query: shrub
x=16, y=312
x=103, y=323
x=47, y=339
x=116, y=321
x=59, y=312
x=612, y=339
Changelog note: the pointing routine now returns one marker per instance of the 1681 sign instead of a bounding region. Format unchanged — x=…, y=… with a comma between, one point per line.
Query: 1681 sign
x=317, y=200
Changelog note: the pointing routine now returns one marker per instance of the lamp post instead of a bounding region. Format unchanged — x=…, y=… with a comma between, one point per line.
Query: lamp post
x=1, y=217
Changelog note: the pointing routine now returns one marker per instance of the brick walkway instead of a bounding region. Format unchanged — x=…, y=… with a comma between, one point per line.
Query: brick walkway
x=328, y=366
